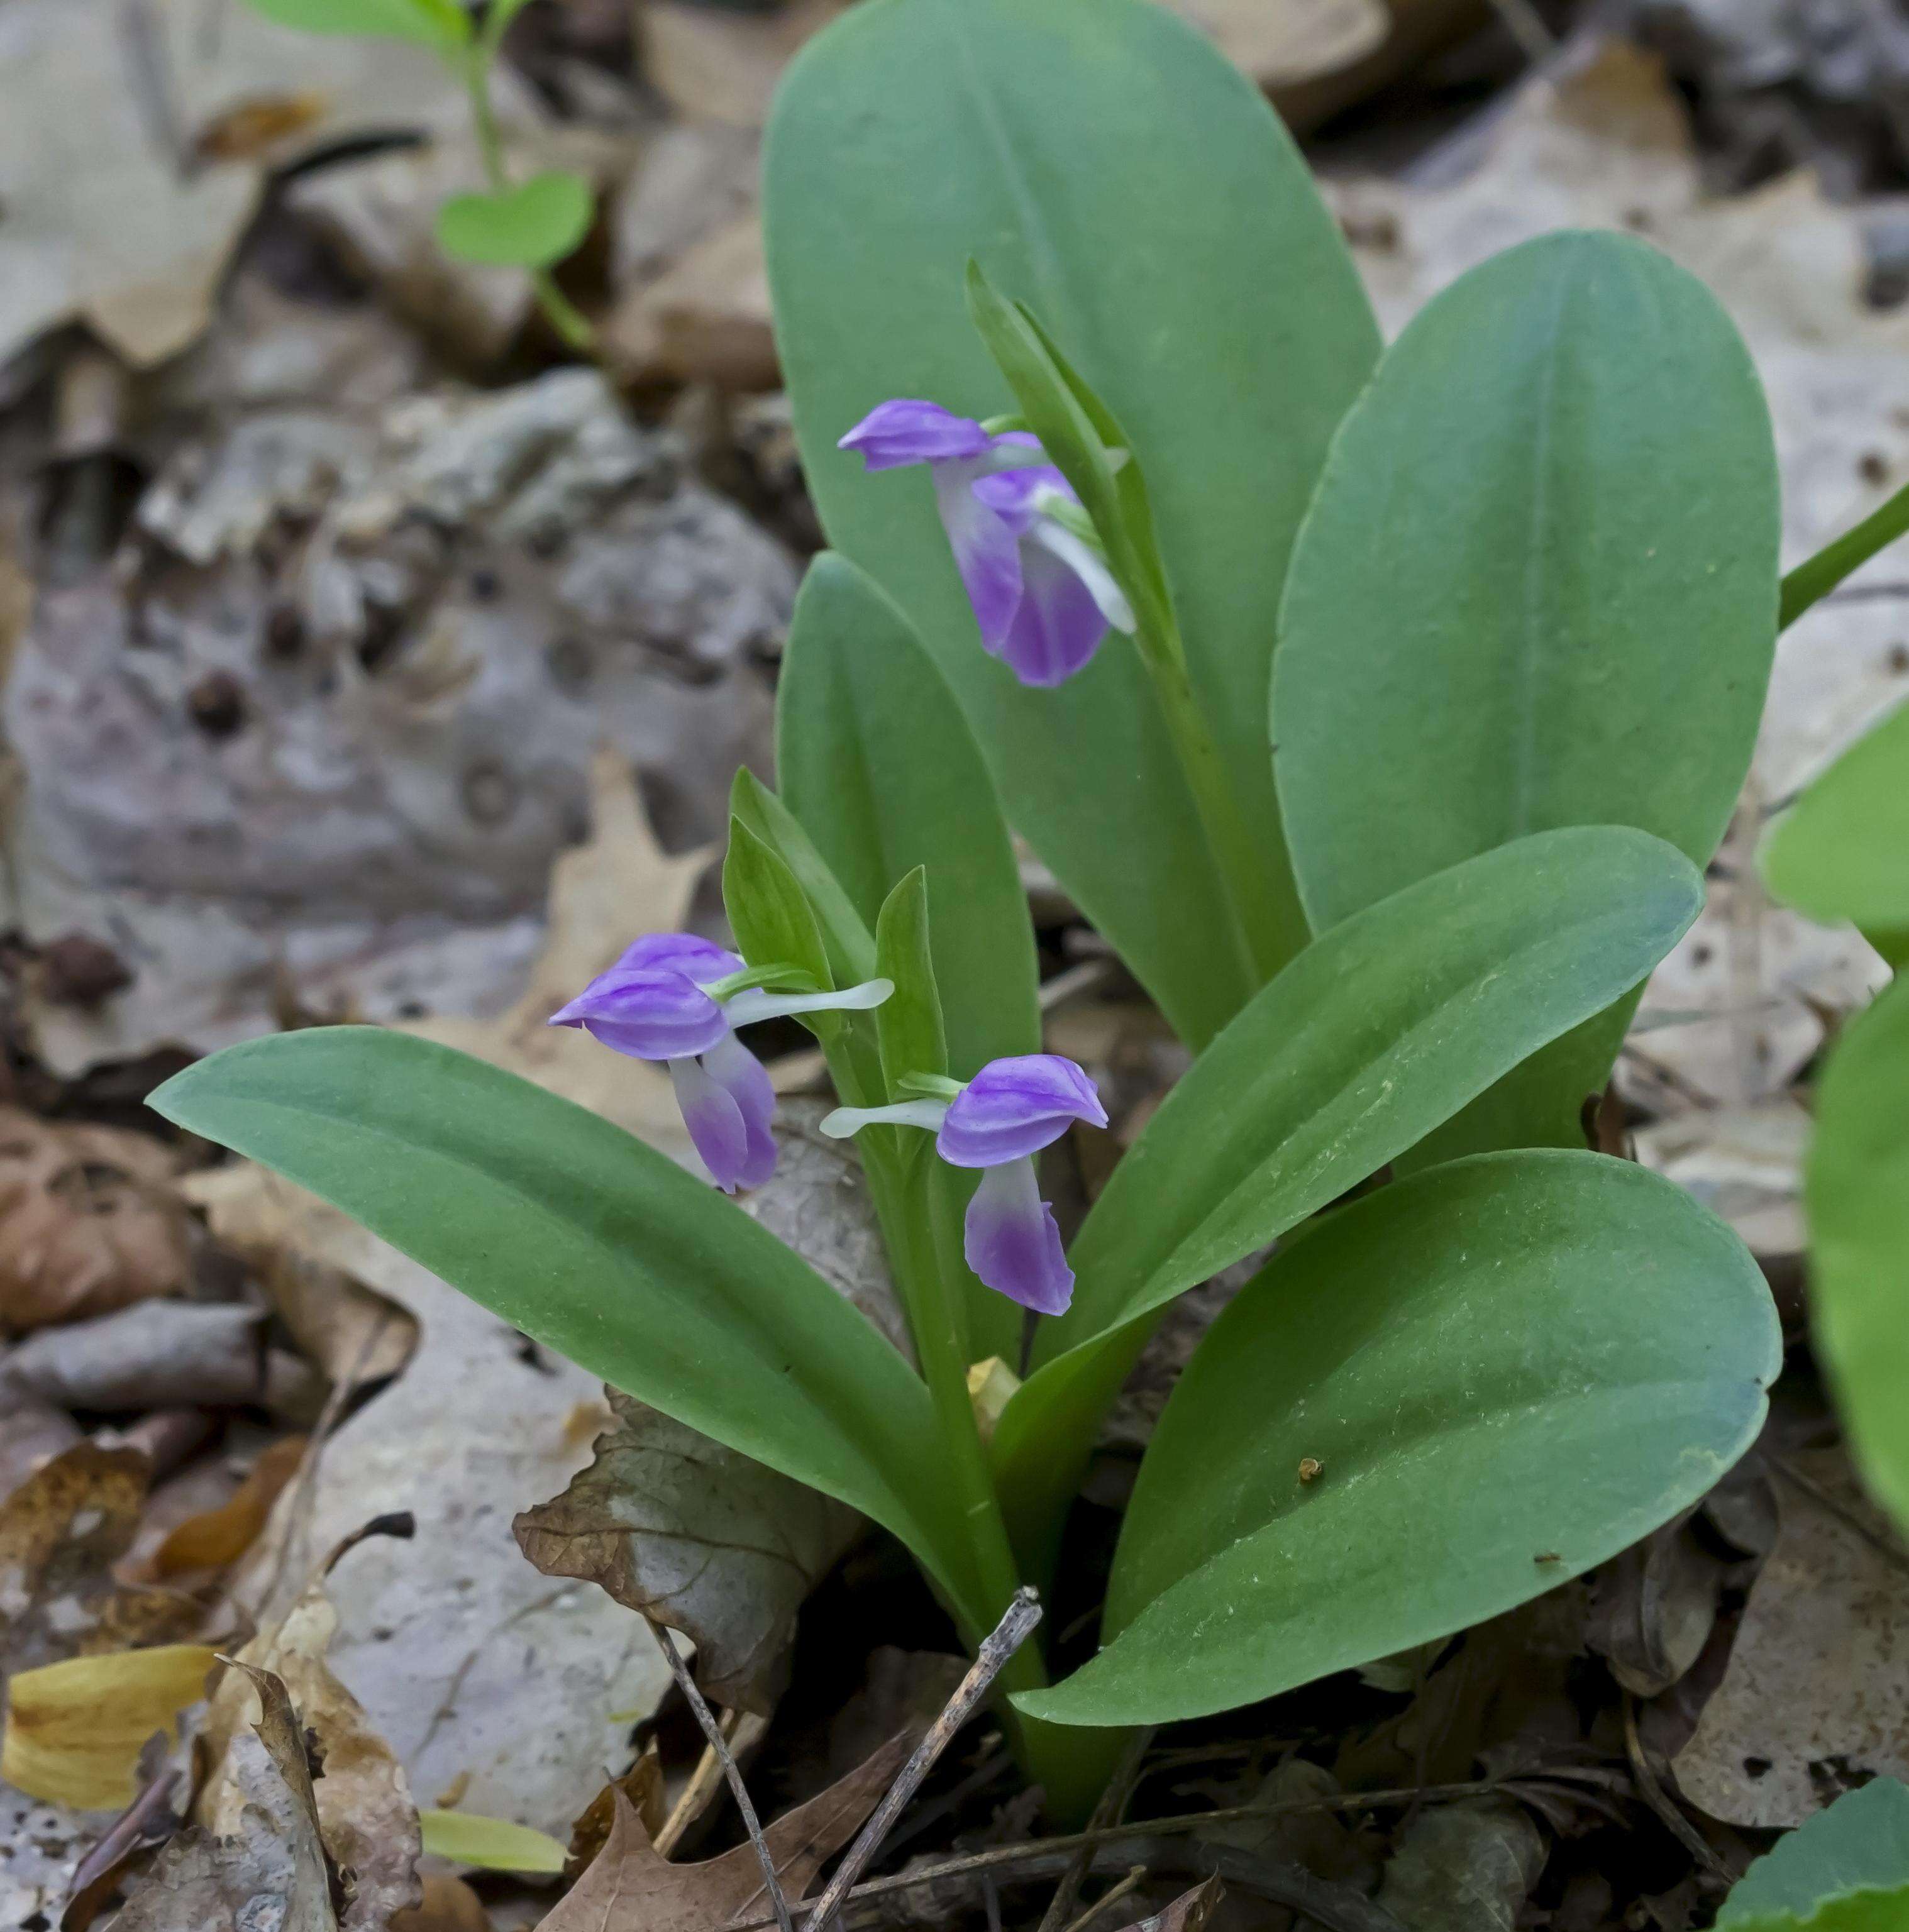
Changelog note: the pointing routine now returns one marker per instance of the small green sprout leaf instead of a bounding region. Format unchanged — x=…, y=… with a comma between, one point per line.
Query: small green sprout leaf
x=530, y=226
x=441, y=24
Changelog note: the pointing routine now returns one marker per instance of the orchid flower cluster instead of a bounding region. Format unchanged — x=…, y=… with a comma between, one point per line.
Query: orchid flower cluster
x=1377, y=707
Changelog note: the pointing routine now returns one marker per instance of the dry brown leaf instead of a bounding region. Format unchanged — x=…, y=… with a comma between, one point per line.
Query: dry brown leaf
x=155, y=1354
x=604, y=895
x=642, y=1785
x=76, y=1730
x=366, y=1819
x=1287, y=43
x=1815, y=1698
x=1189, y=1912
x=61, y=1531
x=722, y=64
x=87, y=1221
x=218, y=1537
x=705, y=319
x=631, y=1887
x=270, y=1871
x=449, y=1906
x=698, y=1537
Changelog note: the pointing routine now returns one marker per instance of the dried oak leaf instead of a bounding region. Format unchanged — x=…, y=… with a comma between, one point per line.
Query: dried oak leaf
x=60, y=1532
x=367, y=1822
x=631, y=1887
x=1189, y=1912
x=88, y=1223
x=269, y=1870
x=642, y=1784
x=696, y=1536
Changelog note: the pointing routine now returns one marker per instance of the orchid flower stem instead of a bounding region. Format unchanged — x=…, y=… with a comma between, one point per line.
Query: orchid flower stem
x=1816, y=576
x=572, y=327
x=1263, y=947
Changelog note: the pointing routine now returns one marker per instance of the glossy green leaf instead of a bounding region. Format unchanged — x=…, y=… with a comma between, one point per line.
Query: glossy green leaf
x=1859, y=1843
x=880, y=768
x=1842, y=852
x=909, y=1022
x=846, y=938
x=530, y=226
x=595, y=1246
x=1049, y=140
x=1385, y=1026
x=1538, y=587
x=1508, y=1369
x=441, y=24
x=1856, y=1192
x=769, y=913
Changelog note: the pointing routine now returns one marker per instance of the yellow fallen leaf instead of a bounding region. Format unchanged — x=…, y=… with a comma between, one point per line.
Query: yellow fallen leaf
x=74, y=1729
x=494, y=1843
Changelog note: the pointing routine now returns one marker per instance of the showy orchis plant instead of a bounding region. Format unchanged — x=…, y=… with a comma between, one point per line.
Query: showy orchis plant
x=1522, y=573
x=531, y=224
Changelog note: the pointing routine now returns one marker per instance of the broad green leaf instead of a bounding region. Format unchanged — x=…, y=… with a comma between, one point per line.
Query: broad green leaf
x=530, y=226
x=1508, y=1370
x=441, y=24
x=1869, y=1910
x=878, y=765
x=597, y=1246
x=845, y=935
x=1538, y=587
x=1384, y=1026
x=1842, y=852
x=1859, y=1843
x=491, y=1844
x=769, y=913
x=909, y=1022
x=1049, y=140
x=1855, y=1194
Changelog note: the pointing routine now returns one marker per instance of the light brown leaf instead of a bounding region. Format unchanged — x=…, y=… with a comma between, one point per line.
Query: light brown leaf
x=449, y=1906
x=642, y=1785
x=270, y=1871
x=217, y=1536
x=1189, y=1912
x=696, y=1536
x=631, y=1887
x=61, y=1531
x=367, y=1822
x=87, y=1223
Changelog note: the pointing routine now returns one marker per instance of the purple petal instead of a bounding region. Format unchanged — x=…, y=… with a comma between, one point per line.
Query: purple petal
x=702, y=959
x=715, y=1122
x=1011, y=493
x=1012, y=1243
x=1014, y=1108
x=648, y=1012
x=986, y=552
x=906, y=431
x=1058, y=625
x=744, y=1079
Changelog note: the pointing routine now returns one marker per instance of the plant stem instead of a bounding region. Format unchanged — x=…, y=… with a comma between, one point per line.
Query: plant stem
x=1818, y=575
x=1263, y=947
x=571, y=325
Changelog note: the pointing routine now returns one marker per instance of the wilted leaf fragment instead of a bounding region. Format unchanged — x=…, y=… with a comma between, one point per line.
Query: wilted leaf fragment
x=490, y=1844
x=538, y=222
x=1860, y=1844
x=697, y=1537
x=631, y=1887
x=75, y=1730
x=215, y=1538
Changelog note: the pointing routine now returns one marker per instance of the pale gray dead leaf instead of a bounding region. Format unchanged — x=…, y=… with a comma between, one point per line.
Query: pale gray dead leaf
x=119, y=209
x=154, y=1354
x=1467, y=1867
x=695, y=1536
x=1813, y=1698
x=268, y=1870
x=1653, y=1607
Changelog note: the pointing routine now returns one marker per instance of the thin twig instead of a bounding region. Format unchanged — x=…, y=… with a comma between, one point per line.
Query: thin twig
x=712, y=1731
x=1109, y=1811
x=1023, y=1613
x=1659, y=1800
x=1112, y=1896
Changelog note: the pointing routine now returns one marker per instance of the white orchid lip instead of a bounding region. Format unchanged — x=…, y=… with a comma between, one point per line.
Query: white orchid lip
x=846, y=1122
x=754, y=1004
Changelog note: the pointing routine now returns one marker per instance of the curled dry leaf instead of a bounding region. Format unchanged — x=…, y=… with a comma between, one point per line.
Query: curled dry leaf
x=631, y=1887
x=270, y=1871
x=87, y=1223
x=61, y=1531
x=1814, y=1699
x=156, y=1354
x=694, y=1535
x=76, y=1730
x=642, y=1785
x=1189, y=1912
x=215, y=1538
x=367, y=1822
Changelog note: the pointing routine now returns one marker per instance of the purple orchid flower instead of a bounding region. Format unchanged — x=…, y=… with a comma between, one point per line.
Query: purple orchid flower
x=998, y=1122
x=656, y=1003
x=1043, y=594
